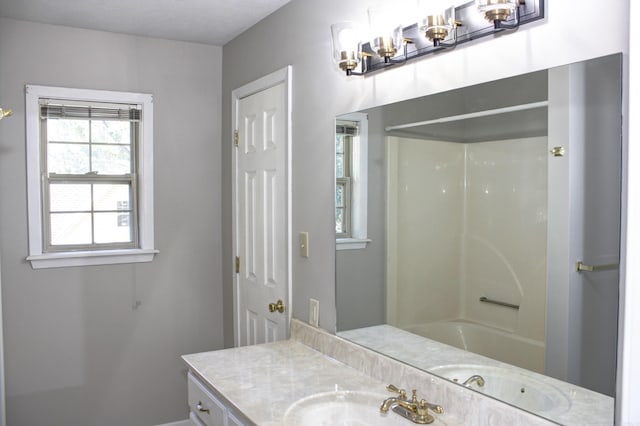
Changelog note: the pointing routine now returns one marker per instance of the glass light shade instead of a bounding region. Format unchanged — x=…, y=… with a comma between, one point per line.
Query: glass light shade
x=386, y=31
x=345, y=37
x=437, y=24
x=497, y=10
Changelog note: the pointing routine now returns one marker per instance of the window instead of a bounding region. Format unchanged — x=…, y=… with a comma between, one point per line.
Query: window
x=345, y=132
x=90, y=180
x=351, y=181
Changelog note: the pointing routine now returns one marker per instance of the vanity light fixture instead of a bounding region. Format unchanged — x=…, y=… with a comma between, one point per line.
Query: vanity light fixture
x=499, y=11
x=347, y=49
x=438, y=19
x=386, y=31
x=5, y=113
x=389, y=43
x=437, y=27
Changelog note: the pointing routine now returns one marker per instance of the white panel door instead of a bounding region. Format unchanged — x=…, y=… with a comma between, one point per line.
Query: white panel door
x=261, y=217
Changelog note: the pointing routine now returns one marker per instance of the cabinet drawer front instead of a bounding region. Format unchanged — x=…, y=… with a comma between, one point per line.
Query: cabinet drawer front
x=233, y=420
x=207, y=407
x=194, y=420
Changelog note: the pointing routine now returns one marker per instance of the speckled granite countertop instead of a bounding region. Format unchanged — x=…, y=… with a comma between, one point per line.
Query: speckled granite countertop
x=262, y=381
x=585, y=407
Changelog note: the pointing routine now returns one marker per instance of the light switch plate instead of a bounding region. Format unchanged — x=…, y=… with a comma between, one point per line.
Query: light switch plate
x=304, y=244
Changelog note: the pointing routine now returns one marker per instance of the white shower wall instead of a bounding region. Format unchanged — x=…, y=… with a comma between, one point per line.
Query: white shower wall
x=472, y=222
x=425, y=209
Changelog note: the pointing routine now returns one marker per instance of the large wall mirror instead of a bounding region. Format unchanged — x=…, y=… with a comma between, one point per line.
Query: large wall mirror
x=492, y=236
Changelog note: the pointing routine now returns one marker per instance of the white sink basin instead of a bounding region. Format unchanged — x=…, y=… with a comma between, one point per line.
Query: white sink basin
x=343, y=408
x=512, y=386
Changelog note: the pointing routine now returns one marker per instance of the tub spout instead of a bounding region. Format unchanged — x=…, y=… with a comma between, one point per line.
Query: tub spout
x=475, y=378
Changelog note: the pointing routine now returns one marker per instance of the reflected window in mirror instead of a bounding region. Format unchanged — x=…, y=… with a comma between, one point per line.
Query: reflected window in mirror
x=345, y=133
x=351, y=181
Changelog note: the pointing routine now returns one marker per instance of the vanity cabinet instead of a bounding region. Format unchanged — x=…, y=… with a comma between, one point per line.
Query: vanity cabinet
x=207, y=407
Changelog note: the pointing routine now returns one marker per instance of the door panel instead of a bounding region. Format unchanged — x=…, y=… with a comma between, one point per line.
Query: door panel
x=261, y=216
x=271, y=228
x=252, y=328
x=250, y=226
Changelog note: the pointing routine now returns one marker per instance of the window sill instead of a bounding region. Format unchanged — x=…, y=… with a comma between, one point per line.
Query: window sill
x=91, y=258
x=351, y=243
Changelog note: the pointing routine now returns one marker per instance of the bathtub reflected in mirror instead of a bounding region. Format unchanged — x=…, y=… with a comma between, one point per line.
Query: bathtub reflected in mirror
x=491, y=342
x=493, y=193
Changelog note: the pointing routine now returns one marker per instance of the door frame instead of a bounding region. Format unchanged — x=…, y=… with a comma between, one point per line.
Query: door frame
x=3, y=405
x=284, y=76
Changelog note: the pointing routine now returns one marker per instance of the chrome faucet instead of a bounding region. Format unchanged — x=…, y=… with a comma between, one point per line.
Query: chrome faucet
x=475, y=378
x=414, y=410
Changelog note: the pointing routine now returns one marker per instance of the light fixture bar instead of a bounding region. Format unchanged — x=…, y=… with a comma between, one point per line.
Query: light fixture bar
x=468, y=23
x=476, y=114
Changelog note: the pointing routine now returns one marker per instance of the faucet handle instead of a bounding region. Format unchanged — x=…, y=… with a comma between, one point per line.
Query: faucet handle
x=434, y=407
x=401, y=392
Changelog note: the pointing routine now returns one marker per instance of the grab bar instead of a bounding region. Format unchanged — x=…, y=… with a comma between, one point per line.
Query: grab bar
x=497, y=302
x=583, y=267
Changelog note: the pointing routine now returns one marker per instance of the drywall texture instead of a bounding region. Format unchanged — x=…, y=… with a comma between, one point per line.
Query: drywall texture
x=76, y=351
x=298, y=34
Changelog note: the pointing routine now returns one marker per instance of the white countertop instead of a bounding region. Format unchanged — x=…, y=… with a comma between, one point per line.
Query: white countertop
x=262, y=381
x=586, y=407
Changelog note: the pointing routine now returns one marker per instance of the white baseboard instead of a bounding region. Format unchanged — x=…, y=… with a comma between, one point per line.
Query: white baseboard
x=179, y=423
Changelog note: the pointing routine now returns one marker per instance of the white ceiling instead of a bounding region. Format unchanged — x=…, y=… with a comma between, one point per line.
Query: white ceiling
x=202, y=21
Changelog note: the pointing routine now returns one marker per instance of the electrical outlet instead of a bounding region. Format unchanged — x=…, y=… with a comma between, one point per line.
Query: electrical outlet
x=314, y=312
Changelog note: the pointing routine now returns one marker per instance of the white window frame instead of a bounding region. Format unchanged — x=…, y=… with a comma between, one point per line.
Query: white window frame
x=146, y=250
x=359, y=174
x=345, y=181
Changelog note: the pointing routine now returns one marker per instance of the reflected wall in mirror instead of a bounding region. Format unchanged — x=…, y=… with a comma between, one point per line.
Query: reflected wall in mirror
x=481, y=201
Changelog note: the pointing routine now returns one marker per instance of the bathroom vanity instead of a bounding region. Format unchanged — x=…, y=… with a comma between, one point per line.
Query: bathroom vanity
x=300, y=380
x=257, y=384
x=208, y=407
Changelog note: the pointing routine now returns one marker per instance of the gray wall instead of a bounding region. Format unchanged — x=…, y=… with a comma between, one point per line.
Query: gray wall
x=595, y=232
x=76, y=351
x=73, y=345
x=361, y=274
x=584, y=222
x=299, y=35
